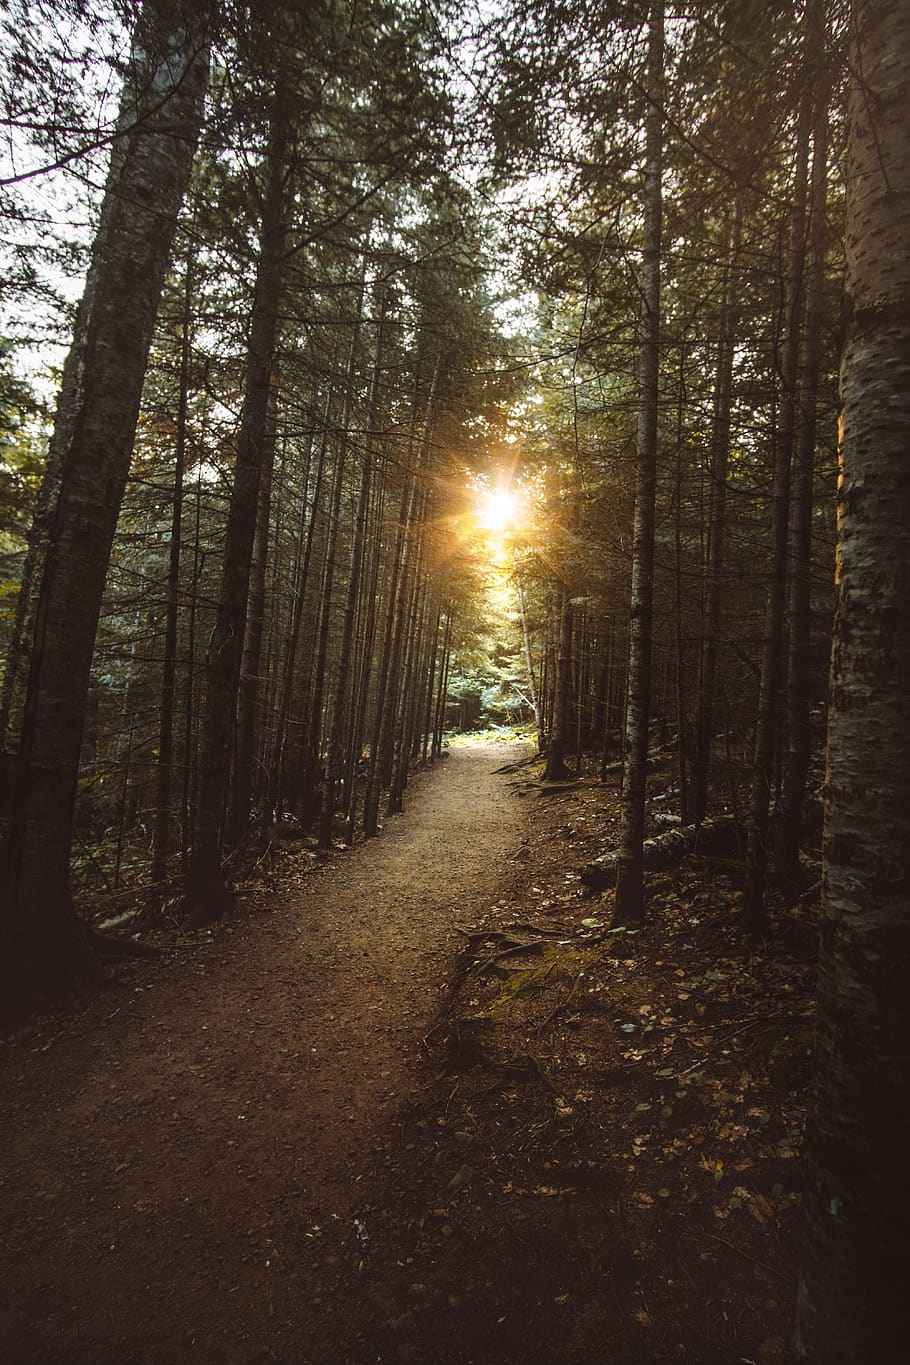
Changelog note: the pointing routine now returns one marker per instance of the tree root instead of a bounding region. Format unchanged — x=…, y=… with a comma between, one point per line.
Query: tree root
x=568, y=1000
x=115, y=946
x=514, y=950
x=518, y=764
x=527, y=928
x=526, y=1066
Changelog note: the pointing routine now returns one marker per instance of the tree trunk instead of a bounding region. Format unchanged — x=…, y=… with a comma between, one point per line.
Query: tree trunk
x=161, y=114
x=439, y=724
x=367, y=629
x=286, y=684
x=529, y=660
x=165, y=763
x=433, y=660
x=628, y=903
x=800, y=592
x=335, y=756
x=248, y=684
x=853, y=1290
x=398, y=767
x=769, y=699
x=556, y=769
x=387, y=685
x=206, y=892
x=682, y=713
x=717, y=525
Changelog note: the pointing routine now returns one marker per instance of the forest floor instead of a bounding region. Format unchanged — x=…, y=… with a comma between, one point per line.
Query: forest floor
x=414, y=1104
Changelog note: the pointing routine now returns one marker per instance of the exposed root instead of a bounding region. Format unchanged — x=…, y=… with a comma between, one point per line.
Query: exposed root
x=115, y=946
x=569, y=1000
x=518, y=764
x=514, y=950
x=536, y=929
x=524, y=1067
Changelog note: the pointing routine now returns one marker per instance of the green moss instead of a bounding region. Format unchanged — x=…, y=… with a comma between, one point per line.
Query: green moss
x=557, y=964
x=629, y=994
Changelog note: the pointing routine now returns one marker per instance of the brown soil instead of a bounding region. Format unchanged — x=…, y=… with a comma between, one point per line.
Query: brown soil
x=414, y=1106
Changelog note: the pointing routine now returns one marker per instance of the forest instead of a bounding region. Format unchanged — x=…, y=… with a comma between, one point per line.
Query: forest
x=399, y=392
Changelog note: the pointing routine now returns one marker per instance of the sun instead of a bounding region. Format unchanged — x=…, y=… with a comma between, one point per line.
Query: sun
x=499, y=510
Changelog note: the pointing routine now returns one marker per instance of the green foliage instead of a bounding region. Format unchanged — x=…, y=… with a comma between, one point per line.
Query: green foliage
x=21, y=453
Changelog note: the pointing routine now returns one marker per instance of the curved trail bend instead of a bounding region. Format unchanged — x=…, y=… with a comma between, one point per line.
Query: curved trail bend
x=185, y=1164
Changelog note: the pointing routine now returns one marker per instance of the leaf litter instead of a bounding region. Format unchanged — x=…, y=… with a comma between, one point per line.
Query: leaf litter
x=592, y=1157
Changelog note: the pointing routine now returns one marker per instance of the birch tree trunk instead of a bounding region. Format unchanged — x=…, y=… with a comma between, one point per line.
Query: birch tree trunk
x=853, y=1290
x=161, y=115
x=628, y=903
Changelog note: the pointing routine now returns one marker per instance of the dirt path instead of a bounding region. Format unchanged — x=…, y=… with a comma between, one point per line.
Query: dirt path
x=186, y=1163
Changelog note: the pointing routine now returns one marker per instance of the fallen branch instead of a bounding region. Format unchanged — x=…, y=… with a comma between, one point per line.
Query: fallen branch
x=667, y=850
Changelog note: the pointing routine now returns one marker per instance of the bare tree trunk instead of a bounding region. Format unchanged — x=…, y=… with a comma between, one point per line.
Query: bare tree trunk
x=340, y=706
x=286, y=684
x=769, y=699
x=387, y=688
x=164, y=767
x=529, y=660
x=443, y=692
x=434, y=660
x=161, y=114
x=248, y=684
x=799, y=645
x=717, y=525
x=853, y=1285
x=367, y=644
x=315, y=718
x=190, y=720
x=556, y=768
x=206, y=891
x=628, y=904
x=400, y=738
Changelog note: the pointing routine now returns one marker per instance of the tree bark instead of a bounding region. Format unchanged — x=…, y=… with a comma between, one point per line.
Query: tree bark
x=165, y=762
x=301, y=579
x=161, y=115
x=799, y=643
x=389, y=664
x=251, y=657
x=206, y=896
x=853, y=1291
x=557, y=738
x=529, y=660
x=341, y=706
x=717, y=525
x=770, y=702
x=628, y=903
x=316, y=719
